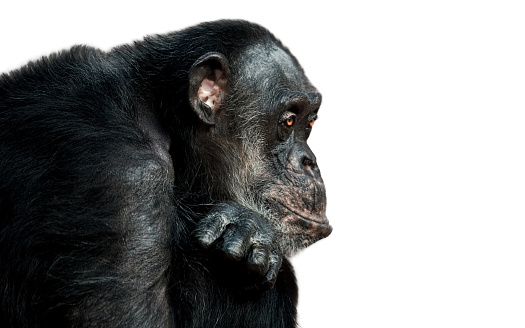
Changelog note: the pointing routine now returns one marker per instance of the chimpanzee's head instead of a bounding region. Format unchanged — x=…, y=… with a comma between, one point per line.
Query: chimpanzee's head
x=256, y=110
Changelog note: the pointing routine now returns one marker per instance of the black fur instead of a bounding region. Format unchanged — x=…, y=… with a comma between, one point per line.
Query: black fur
x=107, y=195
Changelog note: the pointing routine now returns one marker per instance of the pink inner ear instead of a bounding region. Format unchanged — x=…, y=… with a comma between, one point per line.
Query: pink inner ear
x=207, y=85
x=210, y=90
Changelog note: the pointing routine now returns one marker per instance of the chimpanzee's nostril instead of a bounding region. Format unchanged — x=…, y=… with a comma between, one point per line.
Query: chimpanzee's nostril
x=310, y=167
x=307, y=162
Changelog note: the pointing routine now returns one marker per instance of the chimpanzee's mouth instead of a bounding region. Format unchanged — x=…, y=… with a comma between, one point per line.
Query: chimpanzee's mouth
x=305, y=216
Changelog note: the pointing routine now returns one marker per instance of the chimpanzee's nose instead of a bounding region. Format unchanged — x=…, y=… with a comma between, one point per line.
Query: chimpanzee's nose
x=304, y=162
x=310, y=164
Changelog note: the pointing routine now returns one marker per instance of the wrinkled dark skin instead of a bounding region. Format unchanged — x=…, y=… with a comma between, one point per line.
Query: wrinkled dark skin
x=243, y=235
x=161, y=184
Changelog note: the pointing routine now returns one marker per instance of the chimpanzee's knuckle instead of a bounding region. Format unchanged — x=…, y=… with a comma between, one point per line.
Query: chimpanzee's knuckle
x=233, y=249
x=258, y=261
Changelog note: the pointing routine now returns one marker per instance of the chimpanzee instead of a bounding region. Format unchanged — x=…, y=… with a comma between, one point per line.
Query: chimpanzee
x=160, y=184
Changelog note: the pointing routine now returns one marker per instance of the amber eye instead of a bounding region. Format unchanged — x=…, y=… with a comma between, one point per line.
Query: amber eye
x=290, y=120
x=311, y=122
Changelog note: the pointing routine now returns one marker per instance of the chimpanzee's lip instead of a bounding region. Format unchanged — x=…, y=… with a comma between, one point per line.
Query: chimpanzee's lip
x=316, y=219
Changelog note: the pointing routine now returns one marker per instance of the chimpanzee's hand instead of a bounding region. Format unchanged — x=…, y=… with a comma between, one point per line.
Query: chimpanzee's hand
x=243, y=237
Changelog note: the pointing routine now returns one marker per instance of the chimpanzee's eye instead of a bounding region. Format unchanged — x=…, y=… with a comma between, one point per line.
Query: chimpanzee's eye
x=311, y=120
x=289, y=119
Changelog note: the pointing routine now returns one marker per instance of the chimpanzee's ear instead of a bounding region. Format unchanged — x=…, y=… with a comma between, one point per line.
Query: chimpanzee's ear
x=208, y=80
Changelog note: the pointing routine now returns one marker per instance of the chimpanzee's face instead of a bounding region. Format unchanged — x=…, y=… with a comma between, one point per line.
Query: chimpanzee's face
x=259, y=142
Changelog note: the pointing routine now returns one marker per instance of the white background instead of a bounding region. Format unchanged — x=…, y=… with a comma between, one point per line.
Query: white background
x=421, y=142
